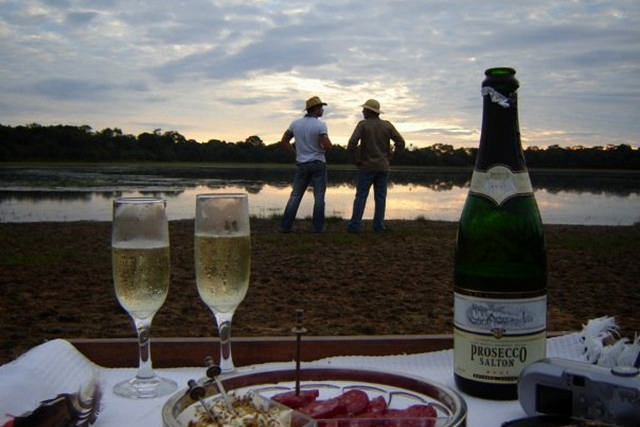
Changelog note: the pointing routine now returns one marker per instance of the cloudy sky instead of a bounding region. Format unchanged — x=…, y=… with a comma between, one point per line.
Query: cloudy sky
x=230, y=69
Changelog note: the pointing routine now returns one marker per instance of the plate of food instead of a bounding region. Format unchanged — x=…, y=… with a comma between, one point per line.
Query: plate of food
x=316, y=397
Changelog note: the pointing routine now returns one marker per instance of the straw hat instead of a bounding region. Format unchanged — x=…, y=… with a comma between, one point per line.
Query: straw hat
x=372, y=105
x=314, y=101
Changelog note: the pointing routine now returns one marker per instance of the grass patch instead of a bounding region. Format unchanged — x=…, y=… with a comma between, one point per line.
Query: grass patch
x=614, y=241
x=35, y=259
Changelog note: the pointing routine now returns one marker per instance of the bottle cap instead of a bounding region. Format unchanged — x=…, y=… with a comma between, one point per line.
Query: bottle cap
x=501, y=79
x=500, y=71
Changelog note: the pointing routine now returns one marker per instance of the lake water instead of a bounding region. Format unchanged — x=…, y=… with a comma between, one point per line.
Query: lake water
x=78, y=193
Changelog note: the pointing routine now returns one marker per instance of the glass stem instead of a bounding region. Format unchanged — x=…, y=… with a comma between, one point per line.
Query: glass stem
x=145, y=368
x=224, y=332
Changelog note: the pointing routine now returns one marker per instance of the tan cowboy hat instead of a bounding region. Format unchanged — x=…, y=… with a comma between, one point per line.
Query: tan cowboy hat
x=372, y=105
x=314, y=101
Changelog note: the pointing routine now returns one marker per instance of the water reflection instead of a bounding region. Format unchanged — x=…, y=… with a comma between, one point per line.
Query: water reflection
x=86, y=193
x=169, y=178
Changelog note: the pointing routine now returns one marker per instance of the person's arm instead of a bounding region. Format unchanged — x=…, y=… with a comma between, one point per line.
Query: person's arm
x=324, y=141
x=398, y=142
x=352, y=146
x=285, y=142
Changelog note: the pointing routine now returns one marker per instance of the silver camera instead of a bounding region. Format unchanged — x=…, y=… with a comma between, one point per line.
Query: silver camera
x=577, y=389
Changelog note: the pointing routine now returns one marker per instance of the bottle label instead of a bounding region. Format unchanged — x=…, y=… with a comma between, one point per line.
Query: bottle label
x=500, y=317
x=499, y=183
x=487, y=359
x=494, y=339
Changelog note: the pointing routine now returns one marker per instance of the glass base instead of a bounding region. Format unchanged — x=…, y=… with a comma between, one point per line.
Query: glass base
x=145, y=388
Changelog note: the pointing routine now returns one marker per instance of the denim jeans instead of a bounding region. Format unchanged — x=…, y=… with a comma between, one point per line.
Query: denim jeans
x=379, y=182
x=314, y=173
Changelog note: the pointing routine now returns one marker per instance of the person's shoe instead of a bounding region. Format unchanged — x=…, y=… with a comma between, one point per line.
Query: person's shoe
x=284, y=230
x=353, y=230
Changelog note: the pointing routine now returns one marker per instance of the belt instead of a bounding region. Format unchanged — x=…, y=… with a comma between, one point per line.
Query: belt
x=309, y=162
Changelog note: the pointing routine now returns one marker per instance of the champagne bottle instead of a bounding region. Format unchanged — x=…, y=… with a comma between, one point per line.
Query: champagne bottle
x=500, y=266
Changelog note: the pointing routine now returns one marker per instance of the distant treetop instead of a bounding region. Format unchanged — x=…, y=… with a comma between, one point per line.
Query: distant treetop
x=33, y=142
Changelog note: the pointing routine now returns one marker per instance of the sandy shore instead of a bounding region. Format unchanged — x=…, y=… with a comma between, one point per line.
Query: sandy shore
x=56, y=281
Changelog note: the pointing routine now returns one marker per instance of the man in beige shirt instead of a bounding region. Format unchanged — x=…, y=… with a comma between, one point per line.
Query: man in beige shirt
x=370, y=148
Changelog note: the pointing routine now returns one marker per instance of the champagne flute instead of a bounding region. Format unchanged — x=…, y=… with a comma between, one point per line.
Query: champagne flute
x=222, y=260
x=140, y=261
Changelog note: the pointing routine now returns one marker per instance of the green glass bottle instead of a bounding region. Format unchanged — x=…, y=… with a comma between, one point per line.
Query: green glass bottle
x=500, y=267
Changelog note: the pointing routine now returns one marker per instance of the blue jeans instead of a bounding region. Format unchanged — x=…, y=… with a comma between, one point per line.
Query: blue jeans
x=379, y=182
x=314, y=173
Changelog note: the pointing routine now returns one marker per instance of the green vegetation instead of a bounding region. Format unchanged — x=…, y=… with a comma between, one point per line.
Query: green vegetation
x=45, y=255
x=610, y=244
x=64, y=143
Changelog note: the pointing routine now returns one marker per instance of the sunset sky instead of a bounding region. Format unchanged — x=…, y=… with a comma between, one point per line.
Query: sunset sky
x=231, y=69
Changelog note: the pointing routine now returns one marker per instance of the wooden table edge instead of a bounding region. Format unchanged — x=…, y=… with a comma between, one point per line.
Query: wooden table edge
x=191, y=351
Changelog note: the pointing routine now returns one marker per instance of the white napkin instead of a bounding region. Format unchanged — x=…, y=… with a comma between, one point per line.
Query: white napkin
x=57, y=367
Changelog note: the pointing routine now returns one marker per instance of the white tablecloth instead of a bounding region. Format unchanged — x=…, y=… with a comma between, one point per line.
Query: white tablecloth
x=57, y=367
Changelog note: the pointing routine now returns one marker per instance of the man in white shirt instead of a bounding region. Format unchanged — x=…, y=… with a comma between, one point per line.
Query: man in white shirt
x=311, y=142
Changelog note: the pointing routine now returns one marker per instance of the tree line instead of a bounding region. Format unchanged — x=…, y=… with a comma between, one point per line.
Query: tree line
x=34, y=142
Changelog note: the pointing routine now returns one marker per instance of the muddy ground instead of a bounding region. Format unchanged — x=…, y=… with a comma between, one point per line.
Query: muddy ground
x=56, y=281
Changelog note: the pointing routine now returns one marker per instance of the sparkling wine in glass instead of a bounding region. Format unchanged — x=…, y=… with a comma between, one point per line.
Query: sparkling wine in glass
x=222, y=260
x=140, y=261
